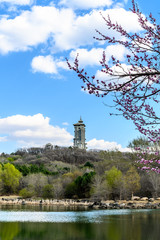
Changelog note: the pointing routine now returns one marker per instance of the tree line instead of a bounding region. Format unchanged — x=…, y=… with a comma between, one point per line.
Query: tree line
x=111, y=175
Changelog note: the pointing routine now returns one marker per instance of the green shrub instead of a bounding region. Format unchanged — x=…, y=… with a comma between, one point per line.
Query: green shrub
x=10, y=159
x=88, y=164
x=48, y=191
x=71, y=190
x=26, y=193
x=33, y=168
x=11, y=177
x=80, y=187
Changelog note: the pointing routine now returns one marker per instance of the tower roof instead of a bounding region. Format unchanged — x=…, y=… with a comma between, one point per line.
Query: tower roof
x=80, y=122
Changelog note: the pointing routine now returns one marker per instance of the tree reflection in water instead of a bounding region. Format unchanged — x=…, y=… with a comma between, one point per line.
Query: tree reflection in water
x=137, y=225
x=8, y=231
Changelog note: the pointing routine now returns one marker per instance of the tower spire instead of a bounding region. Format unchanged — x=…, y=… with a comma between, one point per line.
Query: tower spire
x=80, y=121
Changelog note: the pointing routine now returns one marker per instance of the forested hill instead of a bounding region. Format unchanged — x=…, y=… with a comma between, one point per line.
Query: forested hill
x=69, y=155
x=51, y=154
x=59, y=160
x=73, y=173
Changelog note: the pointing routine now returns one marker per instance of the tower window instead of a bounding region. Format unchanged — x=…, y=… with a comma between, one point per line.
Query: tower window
x=79, y=134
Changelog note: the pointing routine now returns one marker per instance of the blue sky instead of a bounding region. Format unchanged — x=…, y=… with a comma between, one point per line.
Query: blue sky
x=40, y=98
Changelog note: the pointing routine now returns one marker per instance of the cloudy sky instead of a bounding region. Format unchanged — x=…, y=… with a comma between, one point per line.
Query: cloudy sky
x=40, y=97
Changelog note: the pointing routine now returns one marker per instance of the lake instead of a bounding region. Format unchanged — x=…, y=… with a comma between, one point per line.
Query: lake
x=50, y=223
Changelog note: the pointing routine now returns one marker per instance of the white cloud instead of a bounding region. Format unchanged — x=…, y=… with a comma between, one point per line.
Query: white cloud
x=59, y=27
x=36, y=130
x=102, y=76
x=62, y=64
x=33, y=130
x=65, y=123
x=94, y=56
x=87, y=57
x=3, y=139
x=17, y=2
x=86, y=4
x=44, y=64
x=83, y=28
x=33, y=27
x=47, y=64
x=105, y=145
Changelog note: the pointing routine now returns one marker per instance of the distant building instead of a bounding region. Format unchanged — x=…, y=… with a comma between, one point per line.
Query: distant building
x=79, y=135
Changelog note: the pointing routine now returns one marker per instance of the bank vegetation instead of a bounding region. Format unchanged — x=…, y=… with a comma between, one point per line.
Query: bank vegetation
x=71, y=173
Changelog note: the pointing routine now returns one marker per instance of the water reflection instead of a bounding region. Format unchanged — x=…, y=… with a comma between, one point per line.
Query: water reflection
x=111, y=225
x=9, y=230
x=63, y=216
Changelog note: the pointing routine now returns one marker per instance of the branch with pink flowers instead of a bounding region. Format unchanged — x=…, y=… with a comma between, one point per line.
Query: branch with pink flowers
x=135, y=86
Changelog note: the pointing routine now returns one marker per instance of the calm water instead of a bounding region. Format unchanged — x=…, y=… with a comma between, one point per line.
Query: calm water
x=56, y=224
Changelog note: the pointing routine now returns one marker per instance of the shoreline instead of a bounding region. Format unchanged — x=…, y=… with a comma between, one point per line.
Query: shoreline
x=143, y=203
